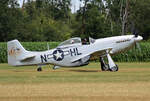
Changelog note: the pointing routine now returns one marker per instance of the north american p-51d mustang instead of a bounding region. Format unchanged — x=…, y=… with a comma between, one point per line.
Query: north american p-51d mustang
x=73, y=52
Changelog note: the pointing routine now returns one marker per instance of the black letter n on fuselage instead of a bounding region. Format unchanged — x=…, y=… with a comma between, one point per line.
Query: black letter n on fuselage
x=43, y=58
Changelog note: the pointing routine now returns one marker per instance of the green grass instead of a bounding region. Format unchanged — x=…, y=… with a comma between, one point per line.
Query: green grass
x=128, y=72
x=130, y=83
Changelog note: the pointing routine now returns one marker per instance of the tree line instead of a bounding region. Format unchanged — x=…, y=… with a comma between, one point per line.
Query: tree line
x=52, y=20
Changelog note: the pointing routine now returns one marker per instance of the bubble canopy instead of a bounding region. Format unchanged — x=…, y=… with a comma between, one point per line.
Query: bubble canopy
x=76, y=40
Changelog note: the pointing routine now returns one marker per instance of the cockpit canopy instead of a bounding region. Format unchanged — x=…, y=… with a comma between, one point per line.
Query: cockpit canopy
x=76, y=41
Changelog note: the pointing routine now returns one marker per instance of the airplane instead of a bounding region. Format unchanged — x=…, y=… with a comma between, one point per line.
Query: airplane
x=73, y=52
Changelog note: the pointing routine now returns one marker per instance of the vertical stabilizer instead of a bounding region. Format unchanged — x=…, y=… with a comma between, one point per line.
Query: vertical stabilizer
x=15, y=52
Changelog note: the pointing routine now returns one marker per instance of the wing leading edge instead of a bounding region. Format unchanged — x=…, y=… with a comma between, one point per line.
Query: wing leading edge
x=90, y=53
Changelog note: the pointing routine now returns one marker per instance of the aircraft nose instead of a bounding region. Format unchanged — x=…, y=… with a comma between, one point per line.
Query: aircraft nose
x=139, y=38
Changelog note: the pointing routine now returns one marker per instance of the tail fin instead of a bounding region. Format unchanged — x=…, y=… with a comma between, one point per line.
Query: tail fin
x=15, y=52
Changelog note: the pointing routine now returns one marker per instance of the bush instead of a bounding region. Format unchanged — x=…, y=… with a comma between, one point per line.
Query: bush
x=134, y=54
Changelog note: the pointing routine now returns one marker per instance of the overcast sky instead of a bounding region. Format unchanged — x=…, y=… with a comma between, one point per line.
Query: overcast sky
x=75, y=4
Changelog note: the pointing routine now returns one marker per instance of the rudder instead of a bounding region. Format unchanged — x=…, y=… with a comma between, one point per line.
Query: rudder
x=15, y=52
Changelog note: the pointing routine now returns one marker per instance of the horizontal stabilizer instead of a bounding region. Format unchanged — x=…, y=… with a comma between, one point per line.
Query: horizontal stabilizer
x=28, y=56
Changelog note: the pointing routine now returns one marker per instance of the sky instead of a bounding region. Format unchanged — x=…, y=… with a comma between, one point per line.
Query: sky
x=75, y=5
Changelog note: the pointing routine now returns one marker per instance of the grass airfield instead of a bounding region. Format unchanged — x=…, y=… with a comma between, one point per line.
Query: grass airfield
x=130, y=83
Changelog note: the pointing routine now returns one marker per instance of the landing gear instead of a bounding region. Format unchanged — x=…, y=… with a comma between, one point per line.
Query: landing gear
x=111, y=66
x=39, y=69
x=104, y=66
x=114, y=69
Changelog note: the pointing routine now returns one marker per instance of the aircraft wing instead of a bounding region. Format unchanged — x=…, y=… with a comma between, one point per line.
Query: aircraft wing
x=91, y=53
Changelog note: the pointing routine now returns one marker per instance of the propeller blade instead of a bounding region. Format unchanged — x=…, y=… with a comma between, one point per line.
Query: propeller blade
x=138, y=46
x=134, y=30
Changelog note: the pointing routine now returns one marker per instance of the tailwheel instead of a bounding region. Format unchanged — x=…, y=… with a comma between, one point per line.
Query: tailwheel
x=114, y=69
x=39, y=69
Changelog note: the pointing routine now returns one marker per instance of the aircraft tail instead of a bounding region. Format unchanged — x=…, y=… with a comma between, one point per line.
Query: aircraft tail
x=16, y=52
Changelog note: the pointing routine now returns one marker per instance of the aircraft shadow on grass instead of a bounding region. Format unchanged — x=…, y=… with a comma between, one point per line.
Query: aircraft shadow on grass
x=79, y=70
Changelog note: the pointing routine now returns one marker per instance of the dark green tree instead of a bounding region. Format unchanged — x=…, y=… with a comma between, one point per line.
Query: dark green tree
x=91, y=18
x=139, y=15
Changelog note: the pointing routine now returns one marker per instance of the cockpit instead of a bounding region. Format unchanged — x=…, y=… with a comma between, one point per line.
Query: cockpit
x=76, y=41
x=71, y=41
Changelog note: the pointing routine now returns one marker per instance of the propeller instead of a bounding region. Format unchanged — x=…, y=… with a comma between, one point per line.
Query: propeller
x=134, y=30
x=137, y=45
x=136, y=35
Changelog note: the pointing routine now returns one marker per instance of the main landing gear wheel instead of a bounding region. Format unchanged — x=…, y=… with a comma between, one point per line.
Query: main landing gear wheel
x=114, y=69
x=39, y=69
x=104, y=67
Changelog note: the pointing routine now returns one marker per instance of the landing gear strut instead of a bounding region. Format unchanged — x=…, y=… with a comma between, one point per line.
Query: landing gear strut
x=104, y=66
x=39, y=69
x=114, y=69
x=111, y=66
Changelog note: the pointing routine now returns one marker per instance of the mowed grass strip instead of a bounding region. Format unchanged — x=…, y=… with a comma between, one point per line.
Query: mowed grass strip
x=128, y=72
x=76, y=91
x=130, y=83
